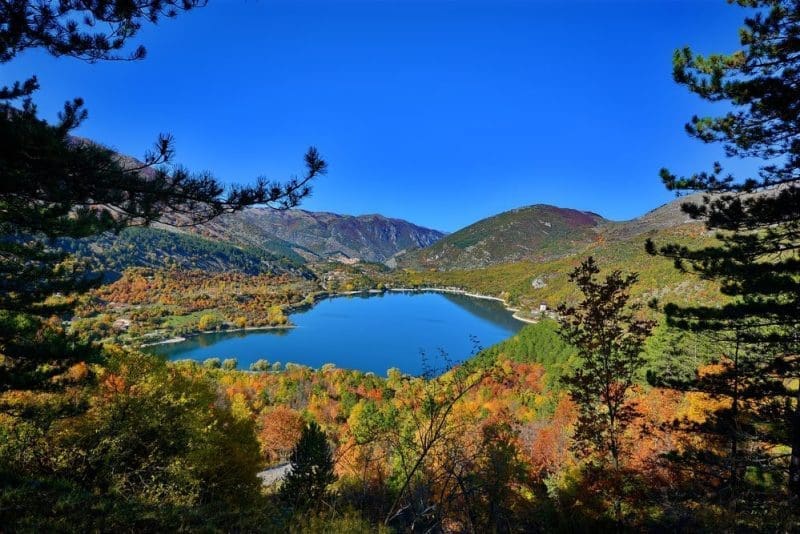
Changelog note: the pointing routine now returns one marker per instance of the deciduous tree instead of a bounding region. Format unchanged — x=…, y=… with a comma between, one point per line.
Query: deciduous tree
x=281, y=429
x=609, y=339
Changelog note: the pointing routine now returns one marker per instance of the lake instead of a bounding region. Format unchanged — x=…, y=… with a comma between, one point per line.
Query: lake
x=370, y=332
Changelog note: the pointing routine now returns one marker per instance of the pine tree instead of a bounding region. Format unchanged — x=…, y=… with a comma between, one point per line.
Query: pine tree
x=54, y=185
x=306, y=485
x=610, y=342
x=756, y=219
x=87, y=29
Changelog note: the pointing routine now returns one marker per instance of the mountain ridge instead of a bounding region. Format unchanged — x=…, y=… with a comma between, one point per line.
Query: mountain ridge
x=320, y=236
x=537, y=232
x=265, y=238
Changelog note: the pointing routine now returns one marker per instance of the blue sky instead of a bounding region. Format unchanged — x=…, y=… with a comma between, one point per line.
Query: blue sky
x=440, y=112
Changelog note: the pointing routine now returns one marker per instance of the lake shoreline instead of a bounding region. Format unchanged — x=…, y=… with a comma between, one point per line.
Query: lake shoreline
x=409, y=329
x=455, y=291
x=186, y=337
x=321, y=295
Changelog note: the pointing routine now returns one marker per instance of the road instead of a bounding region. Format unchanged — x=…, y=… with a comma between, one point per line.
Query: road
x=274, y=474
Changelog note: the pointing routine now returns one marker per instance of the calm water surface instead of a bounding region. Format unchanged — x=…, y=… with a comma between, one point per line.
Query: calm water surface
x=370, y=332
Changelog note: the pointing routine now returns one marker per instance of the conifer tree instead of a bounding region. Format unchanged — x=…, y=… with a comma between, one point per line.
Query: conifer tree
x=54, y=185
x=756, y=259
x=312, y=469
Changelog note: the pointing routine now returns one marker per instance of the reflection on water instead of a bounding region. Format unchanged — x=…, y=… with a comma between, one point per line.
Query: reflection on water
x=366, y=331
x=485, y=309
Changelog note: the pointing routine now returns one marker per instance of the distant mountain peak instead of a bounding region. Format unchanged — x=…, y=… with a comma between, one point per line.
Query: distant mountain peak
x=534, y=232
x=538, y=232
x=325, y=235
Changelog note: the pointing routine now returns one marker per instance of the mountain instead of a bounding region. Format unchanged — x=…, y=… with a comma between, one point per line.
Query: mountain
x=541, y=277
x=526, y=284
x=535, y=232
x=263, y=239
x=256, y=240
x=666, y=216
x=322, y=236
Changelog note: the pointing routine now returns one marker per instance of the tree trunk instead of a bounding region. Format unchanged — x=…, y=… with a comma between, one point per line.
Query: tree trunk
x=794, y=462
x=734, y=460
x=618, y=488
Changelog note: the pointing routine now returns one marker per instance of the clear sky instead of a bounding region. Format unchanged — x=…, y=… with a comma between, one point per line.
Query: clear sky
x=439, y=112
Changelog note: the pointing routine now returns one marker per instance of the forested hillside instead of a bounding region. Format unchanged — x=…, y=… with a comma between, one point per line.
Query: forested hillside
x=531, y=233
x=656, y=387
x=256, y=240
x=157, y=248
x=528, y=284
x=538, y=233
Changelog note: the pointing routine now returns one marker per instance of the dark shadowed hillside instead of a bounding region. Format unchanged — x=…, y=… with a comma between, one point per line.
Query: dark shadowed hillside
x=158, y=248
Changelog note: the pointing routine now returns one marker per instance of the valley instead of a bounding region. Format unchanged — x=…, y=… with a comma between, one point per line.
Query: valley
x=170, y=280
x=259, y=323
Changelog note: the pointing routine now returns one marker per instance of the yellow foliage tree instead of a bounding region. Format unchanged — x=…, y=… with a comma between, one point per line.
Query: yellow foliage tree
x=275, y=316
x=207, y=322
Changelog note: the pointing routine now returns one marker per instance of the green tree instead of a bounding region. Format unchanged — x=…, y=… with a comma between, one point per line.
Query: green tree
x=307, y=483
x=212, y=363
x=89, y=30
x=756, y=218
x=674, y=355
x=54, y=185
x=610, y=343
x=153, y=444
x=229, y=364
x=260, y=366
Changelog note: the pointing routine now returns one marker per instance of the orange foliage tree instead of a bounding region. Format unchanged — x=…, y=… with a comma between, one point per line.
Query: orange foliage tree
x=280, y=429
